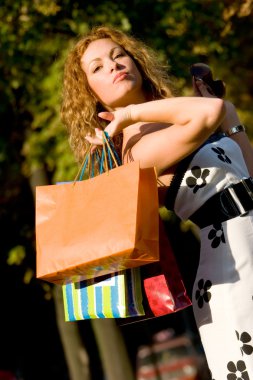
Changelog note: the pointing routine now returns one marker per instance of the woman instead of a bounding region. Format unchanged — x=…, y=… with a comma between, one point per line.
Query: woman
x=114, y=82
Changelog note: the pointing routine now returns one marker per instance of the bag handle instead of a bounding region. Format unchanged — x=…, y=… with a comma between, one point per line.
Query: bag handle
x=104, y=160
x=111, y=149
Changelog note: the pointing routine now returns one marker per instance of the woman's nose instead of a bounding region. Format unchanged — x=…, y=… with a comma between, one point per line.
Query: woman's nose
x=113, y=65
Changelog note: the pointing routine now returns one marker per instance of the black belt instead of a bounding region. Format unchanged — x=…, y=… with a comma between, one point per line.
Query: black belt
x=235, y=200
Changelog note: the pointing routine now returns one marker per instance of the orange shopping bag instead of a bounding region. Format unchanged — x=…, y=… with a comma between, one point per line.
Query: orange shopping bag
x=98, y=226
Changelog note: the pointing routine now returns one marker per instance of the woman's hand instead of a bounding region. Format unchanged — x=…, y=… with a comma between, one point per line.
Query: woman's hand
x=95, y=140
x=118, y=120
x=200, y=88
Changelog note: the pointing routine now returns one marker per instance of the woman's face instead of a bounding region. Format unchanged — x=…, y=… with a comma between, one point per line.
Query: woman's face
x=112, y=74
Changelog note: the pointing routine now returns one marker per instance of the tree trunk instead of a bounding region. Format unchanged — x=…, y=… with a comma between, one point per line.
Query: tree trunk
x=112, y=348
x=75, y=353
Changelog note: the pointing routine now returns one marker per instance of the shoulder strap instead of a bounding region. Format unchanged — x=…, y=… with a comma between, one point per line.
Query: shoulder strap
x=171, y=193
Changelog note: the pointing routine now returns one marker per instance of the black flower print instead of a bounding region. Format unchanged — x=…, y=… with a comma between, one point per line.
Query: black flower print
x=237, y=371
x=245, y=338
x=216, y=235
x=199, y=178
x=222, y=155
x=202, y=294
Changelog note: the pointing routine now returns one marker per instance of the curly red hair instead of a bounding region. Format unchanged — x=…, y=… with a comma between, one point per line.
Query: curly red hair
x=80, y=107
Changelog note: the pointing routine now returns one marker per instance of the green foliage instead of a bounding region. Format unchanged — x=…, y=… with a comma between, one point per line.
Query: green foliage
x=47, y=144
x=16, y=255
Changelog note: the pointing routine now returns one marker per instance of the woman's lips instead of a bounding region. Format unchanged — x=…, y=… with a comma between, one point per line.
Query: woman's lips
x=118, y=77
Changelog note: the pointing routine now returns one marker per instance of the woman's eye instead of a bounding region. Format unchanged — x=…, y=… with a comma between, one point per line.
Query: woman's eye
x=97, y=68
x=118, y=55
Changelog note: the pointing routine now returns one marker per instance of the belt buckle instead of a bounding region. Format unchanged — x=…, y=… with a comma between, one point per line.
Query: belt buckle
x=229, y=199
x=246, y=186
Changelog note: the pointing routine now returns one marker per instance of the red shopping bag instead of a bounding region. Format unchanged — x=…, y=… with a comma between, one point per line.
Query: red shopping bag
x=162, y=284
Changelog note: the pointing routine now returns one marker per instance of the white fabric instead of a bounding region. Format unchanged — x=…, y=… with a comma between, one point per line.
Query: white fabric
x=223, y=290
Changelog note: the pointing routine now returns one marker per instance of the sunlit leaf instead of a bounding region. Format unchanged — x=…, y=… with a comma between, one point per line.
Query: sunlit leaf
x=29, y=273
x=16, y=255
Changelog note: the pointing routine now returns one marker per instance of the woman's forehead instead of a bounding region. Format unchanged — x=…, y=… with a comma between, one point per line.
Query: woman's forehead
x=96, y=49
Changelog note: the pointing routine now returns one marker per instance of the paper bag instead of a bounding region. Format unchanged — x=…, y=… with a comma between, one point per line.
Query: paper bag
x=98, y=226
x=112, y=296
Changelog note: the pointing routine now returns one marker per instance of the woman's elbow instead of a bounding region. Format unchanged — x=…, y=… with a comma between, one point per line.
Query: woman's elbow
x=217, y=112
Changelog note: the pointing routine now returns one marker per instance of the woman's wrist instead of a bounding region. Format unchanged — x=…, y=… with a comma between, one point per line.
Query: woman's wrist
x=131, y=113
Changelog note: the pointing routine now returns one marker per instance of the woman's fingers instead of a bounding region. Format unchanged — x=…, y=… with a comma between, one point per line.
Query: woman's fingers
x=195, y=88
x=97, y=139
x=204, y=89
x=94, y=140
x=106, y=115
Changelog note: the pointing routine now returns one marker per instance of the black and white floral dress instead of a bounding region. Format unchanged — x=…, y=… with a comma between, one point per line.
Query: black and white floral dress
x=223, y=290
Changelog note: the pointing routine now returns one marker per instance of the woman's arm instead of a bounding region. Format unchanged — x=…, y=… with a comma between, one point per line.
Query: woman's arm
x=232, y=120
x=201, y=113
x=190, y=122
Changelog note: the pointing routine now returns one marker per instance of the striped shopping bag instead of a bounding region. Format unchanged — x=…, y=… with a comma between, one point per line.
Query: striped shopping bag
x=116, y=295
